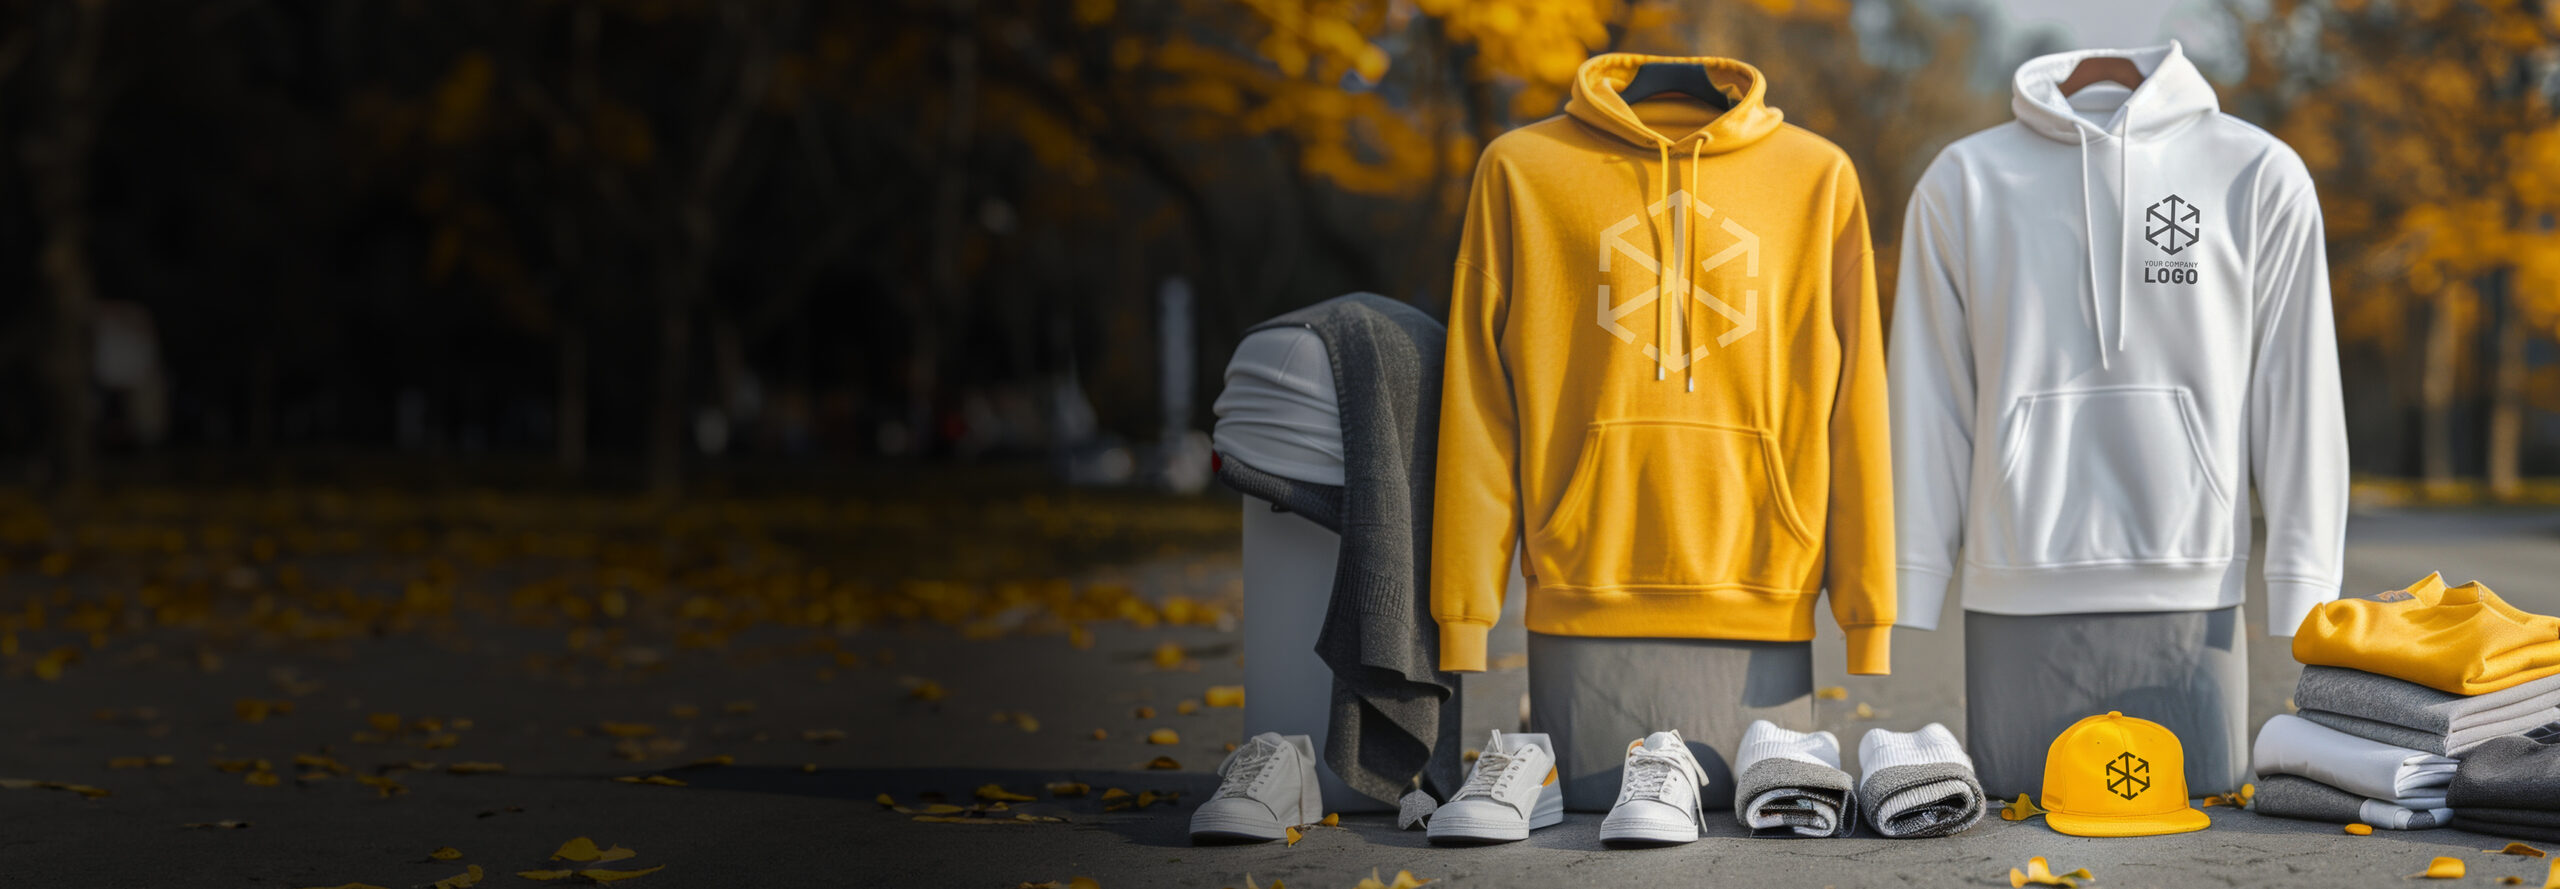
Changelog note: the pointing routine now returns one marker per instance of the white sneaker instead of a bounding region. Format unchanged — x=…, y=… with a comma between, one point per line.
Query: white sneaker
x=1657, y=796
x=1511, y=791
x=1267, y=786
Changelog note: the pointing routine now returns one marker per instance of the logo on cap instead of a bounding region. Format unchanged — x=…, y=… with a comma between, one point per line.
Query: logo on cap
x=2129, y=775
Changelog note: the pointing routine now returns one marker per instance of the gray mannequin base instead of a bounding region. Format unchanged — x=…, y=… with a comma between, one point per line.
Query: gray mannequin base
x=2028, y=677
x=1591, y=696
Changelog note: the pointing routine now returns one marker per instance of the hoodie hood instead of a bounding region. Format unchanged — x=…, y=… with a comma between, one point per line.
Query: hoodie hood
x=1596, y=102
x=2173, y=94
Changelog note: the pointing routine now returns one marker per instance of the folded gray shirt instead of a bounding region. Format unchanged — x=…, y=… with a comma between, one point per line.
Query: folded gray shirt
x=2461, y=721
x=2447, y=744
x=2508, y=773
x=2294, y=796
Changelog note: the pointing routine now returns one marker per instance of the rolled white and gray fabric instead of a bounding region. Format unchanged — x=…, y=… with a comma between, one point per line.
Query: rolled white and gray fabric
x=2406, y=714
x=1789, y=784
x=2292, y=745
x=1917, y=784
x=2294, y=796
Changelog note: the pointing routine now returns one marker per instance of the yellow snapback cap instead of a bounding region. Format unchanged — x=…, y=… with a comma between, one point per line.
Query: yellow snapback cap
x=2118, y=776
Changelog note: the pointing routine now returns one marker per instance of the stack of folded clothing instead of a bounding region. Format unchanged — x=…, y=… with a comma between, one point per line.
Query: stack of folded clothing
x=2317, y=772
x=1918, y=784
x=2395, y=689
x=1789, y=784
x=2510, y=787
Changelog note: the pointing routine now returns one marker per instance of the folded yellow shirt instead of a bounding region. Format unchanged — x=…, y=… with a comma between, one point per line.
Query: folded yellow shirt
x=2463, y=640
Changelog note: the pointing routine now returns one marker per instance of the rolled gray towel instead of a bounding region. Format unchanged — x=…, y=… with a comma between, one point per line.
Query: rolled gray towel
x=2294, y=796
x=1918, y=784
x=1789, y=784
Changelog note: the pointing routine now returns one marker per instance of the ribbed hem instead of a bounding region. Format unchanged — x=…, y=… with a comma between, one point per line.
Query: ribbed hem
x=1725, y=612
x=2291, y=601
x=1920, y=596
x=1870, y=649
x=2105, y=589
x=1462, y=645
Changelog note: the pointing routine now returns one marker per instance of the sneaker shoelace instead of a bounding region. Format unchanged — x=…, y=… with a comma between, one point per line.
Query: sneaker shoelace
x=1491, y=768
x=1245, y=769
x=1648, y=773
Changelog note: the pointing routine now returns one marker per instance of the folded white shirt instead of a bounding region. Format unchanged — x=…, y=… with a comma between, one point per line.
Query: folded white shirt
x=2292, y=745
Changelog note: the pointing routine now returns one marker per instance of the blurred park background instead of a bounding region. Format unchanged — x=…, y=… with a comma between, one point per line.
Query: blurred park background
x=637, y=243
x=481, y=423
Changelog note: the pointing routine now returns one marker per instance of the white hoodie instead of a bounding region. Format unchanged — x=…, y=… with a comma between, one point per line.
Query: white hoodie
x=2113, y=317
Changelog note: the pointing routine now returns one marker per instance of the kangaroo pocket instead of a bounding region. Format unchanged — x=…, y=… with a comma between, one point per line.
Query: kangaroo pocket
x=2108, y=476
x=1673, y=504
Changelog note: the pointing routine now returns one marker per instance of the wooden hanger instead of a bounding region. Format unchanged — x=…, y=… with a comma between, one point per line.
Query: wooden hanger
x=1654, y=79
x=2095, y=69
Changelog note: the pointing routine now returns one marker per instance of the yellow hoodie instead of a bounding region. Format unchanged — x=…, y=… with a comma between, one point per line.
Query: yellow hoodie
x=1697, y=467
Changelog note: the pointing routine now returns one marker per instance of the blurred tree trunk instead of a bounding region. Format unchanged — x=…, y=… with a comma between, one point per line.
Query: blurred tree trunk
x=945, y=292
x=57, y=160
x=570, y=433
x=2506, y=396
x=2436, y=391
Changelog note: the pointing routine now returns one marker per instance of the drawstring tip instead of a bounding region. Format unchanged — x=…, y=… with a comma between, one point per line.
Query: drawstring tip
x=1657, y=372
x=1693, y=384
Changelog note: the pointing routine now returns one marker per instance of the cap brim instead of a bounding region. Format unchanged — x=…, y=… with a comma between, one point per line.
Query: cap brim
x=2181, y=821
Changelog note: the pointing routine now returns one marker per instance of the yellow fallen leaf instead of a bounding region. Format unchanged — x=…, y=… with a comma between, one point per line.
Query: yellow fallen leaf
x=1332, y=819
x=475, y=768
x=1865, y=712
x=996, y=793
x=2039, y=873
x=2516, y=849
x=1186, y=707
x=385, y=723
x=318, y=762
x=141, y=762
x=601, y=875
x=1069, y=788
x=2360, y=829
x=1083, y=883
x=577, y=849
x=720, y=760
x=660, y=780
x=463, y=880
x=242, y=765
x=1294, y=835
x=2552, y=880
x=924, y=689
x=1224, y=696
x=2020, y=810
x=616, y=853
x=1026, y=722
x=1099, y=734
x=1114, y=793
x=1079, y=638
x=1163, y=736
x=385, y=786
x=1404, y=880
x=561, y=874
x=446, y=853
x=261, y=779
x=1168, y=655
x=2442, y=868
x=627, y=729
x=1038, y=819
x=941, y=809
x=1146, y=712
x=1163, y=764
x=1832, y=693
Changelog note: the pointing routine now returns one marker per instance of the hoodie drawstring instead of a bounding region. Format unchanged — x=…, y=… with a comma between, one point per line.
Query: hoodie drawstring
x=2089, y=229
x=1676, y=255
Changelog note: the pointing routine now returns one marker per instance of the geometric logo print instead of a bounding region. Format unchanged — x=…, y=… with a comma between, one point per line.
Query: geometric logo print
x=1678, y=276
x=2171, y=224
x=2128, y=775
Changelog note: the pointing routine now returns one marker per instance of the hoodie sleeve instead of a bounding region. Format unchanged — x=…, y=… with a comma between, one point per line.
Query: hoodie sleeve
x=2297, y=421
x=1931, y=380
x=1859, y=554
x=1475, y=500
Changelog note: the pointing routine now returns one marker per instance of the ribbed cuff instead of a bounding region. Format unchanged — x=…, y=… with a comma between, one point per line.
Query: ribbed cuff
x=1919, y=595
x=1870, y=649
x=2289, y=601
x=1462, y=645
